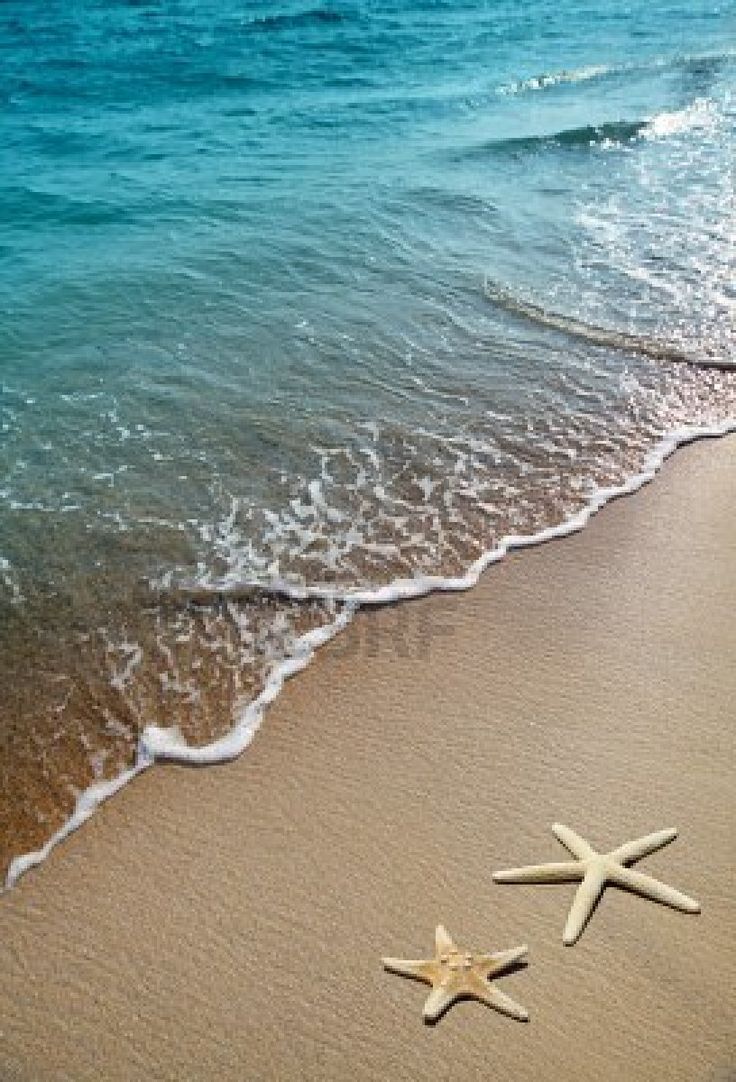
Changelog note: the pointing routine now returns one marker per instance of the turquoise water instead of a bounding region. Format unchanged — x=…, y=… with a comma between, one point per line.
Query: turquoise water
x=317, y=298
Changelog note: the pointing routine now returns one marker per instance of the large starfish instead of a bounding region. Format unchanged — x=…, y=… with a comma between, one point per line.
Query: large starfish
x=596, y=871
x=457, y=974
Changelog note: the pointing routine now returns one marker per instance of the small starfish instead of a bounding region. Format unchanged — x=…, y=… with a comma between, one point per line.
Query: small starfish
x=597, y=870
x=457, y=974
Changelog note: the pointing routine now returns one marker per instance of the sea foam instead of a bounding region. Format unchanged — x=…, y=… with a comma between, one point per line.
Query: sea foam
x=162, y=745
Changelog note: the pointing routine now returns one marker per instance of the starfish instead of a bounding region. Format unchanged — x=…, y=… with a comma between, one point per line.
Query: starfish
x=457, y=974
x=596, y=871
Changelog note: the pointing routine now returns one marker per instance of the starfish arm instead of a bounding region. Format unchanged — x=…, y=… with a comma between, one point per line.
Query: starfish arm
x=406, y=967
x=561, y=872
x=572, y=841
x=642, y=847
x=583, y=905
x=438, y=1000
x=652, y=888
x=502, y=960
x=443, y=940
x=497, y=999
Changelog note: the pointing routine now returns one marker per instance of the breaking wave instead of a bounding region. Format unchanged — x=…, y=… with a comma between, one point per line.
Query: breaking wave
x=556, y=78
x=599, y=336
x=697, y=64
x=610, y=133
x=700, y=115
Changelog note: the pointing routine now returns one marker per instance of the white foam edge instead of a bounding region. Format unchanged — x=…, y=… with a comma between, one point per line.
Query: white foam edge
x=419, y=586
x=159, y=744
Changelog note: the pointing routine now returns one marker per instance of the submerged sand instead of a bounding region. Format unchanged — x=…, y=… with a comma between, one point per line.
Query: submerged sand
x=228, y=923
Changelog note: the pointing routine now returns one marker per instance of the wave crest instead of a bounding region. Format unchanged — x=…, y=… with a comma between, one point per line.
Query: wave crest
x=699, y=63
x=613, y=133
x=555, y=78
x=596, y=335
x=300, y=18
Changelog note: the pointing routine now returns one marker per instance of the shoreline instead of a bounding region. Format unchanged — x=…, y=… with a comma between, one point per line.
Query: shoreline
x=230, y=923
x=164, y=745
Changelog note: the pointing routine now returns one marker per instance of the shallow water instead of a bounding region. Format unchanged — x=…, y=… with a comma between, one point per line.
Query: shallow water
x=316, y=299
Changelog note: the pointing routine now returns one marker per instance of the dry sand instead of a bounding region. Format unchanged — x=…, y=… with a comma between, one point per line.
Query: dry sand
x=228, y=923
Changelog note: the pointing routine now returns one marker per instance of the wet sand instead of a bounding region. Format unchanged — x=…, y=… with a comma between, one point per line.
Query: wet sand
x=228, y=923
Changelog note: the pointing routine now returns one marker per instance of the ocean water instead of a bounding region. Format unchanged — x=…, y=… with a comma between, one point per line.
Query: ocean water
x=307, y=305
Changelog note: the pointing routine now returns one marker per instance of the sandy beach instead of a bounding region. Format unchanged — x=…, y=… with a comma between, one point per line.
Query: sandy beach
x=229, y=923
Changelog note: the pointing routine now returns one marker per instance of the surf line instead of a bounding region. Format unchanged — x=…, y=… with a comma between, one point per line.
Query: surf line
x=158, y=744
x=595, y=335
